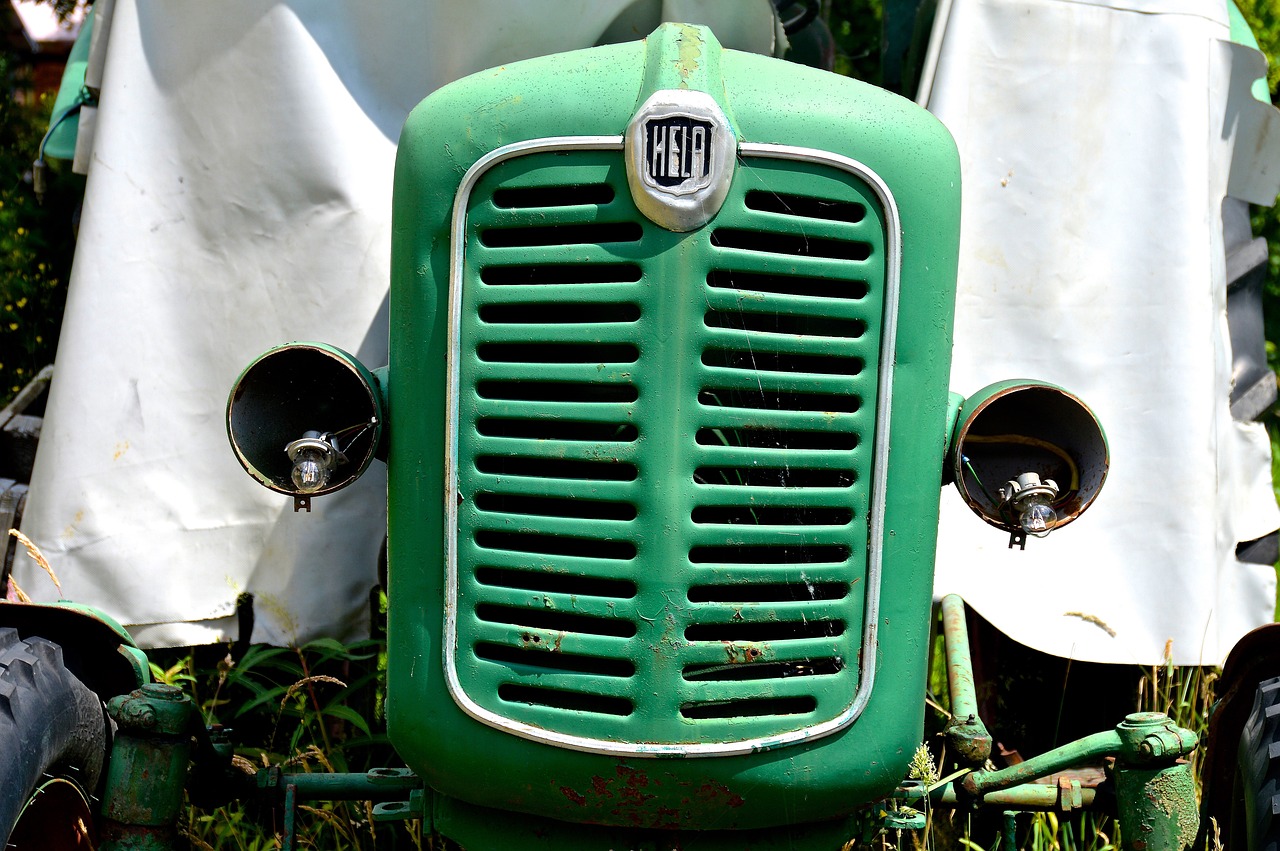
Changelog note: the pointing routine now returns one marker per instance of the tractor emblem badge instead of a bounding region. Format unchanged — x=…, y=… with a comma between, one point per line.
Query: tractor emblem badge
x=680, y=152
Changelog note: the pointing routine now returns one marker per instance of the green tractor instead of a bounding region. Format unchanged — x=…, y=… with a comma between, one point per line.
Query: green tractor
x=666, y=421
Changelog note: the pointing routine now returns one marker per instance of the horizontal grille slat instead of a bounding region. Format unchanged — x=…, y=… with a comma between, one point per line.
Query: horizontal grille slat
x=505, y=385
x=707, y=535
x=794, y=277
x=516, y=560
x=594, y=233
x=537, y=639
x=766, y=630
x=768, y=592
x=664, y=451
x=786, y=476
x=793, y=467
x=565, y=699
x=790, y=245
x=531, y=428
x=806, y=206
x=786, y=685
x=776, y=359
x=782, y=391
x=570, y=527
x=540, y=662
x=714, y=654
x=772, y=520
x=600, y=280
x=752, y=323
x=573, y=585
x=569, y=334
x=559, y=320
x=555, y=377
x=538, y=544
x=784, y=439
x=773, y=670
x=796, y=553
x=544, y=198
x=543, y=619
x=740, y=708
x=569, y=603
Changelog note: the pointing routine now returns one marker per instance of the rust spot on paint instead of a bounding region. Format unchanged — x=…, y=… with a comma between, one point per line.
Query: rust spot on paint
x=573, y=795
x=718, y=793
x=601, y=786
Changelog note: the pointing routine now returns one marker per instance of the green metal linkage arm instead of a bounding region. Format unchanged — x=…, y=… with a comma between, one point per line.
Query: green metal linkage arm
x=981, y=783
x=1028, y=796
x=380, y=784
x=966, y=733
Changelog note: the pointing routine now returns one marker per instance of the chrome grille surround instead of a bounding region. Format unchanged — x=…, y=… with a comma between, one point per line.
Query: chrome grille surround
x=879, y=461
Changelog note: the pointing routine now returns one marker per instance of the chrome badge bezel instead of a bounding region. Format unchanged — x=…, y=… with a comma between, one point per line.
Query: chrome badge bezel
x=681, y=192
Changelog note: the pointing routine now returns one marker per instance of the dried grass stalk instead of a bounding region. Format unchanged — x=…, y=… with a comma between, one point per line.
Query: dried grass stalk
x=34, y=552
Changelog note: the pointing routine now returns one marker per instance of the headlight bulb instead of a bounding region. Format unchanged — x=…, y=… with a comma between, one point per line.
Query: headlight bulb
x=1037, y=516
x=314, y=458
x=1029, y=498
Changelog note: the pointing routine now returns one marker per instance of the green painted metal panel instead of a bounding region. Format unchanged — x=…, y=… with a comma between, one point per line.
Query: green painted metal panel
x=64, y=123
x=671, y=370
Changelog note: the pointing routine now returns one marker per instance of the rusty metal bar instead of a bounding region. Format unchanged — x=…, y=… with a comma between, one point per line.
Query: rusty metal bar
x=966, y=734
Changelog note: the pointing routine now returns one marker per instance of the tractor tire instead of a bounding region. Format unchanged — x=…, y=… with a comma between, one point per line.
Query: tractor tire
x=54, y=737
x=1258, y=781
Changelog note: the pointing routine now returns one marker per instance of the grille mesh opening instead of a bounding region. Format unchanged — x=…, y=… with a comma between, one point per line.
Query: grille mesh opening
x=747, y=671
x=750, y=708
x=785, y=323
x=566, y=313
x=555, y=545
x=764, y=631
x=555, y=468
x=768, y=592
x=776, y=400
x=790, y=244
x=596, y=233
x=784, y=554
x=805, y=206
x=550, y=506
x=556, y=391
x=554, y=274
x=771, y=515
x=556, y=699
x=764, y=361
x=525, y=197
x=554, y=620
x=554, y=660
x=556, y=583
x=574, y=430
x=776, y=438
x=774, y=477
x=787, y=284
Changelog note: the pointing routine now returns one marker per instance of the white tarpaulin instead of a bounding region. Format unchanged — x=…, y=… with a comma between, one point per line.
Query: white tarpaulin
x=239, y=197
x=1096, y=143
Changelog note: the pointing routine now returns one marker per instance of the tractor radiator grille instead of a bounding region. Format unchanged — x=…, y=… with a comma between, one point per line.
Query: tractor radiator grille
x=664, y=449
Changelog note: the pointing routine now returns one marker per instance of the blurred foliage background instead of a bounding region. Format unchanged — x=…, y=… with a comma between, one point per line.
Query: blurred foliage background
x=36, y=240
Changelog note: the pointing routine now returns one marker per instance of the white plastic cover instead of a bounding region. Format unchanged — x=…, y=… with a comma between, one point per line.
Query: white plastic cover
x=239, y=197
x=1096, y=143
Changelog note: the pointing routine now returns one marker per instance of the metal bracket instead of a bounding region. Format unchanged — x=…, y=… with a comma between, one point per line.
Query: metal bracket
x=401, y=810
